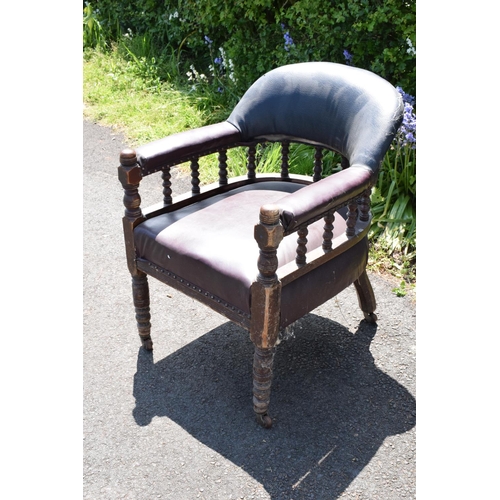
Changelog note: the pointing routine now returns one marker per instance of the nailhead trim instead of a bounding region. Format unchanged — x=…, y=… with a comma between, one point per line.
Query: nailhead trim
x=199, y=290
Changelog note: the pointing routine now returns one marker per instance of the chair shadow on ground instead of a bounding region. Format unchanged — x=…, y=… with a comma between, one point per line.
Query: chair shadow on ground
x=332, y=407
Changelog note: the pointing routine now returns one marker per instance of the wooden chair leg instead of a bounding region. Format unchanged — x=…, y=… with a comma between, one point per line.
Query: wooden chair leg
x=366, y=297
x=140, y=290
x=262, y=377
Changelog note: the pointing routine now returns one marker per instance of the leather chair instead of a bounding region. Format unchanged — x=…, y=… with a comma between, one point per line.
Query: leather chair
x=232, y=245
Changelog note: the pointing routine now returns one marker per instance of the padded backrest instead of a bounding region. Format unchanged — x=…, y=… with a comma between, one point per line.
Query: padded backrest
x=349, y=110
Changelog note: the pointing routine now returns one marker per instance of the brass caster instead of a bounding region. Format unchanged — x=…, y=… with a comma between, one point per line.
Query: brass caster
x=264, y=420
x=370, y=317
x=147, y=344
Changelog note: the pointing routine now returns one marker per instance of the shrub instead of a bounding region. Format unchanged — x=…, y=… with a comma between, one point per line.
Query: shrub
x=258, y=35
x=394, y=196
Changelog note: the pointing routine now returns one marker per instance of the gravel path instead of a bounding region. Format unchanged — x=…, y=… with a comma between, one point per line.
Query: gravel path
x=178, y=423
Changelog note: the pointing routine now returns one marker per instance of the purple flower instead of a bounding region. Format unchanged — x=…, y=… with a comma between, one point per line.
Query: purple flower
x=288, y=41
x=407, y=132
x=218, y=60
x=347, y=56
x=208, y=41
x=406, y=97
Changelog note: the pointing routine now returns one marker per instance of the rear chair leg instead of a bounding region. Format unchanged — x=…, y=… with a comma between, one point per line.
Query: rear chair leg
x=140, y=291
x=366, y=297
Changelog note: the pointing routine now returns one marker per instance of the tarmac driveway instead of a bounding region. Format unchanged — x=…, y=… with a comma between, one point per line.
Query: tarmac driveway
x=178, y=423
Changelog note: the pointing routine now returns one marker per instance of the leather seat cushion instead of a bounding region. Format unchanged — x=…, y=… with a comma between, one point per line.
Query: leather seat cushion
x=211, y=243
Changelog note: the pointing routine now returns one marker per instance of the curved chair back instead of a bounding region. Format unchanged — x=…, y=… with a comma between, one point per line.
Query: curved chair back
x=349, y=110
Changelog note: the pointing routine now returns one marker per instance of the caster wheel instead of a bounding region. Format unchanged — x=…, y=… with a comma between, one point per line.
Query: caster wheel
x=370, y=317
x=147, y=344
x=264, y=420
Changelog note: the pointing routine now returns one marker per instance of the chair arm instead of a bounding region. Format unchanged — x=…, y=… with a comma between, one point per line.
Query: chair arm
x=182, y=146
x=312, y=201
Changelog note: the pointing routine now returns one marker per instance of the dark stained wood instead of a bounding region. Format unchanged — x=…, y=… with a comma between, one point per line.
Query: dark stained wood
x=318, y=164
x=352, y=216
x=301, y=246
x=265, y=303
x=317, y=257
x=366, y=297
x=167, y=186
x=222, y=167
x=285, y=150
x=130, y=176
x=251, y=161
x=364, y=205
x=328, y=231
x=195, y=176
x=140, y=292
x=262, y=378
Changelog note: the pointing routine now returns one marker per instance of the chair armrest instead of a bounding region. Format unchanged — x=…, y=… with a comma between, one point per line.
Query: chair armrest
x=310, y=202
x=182, y=146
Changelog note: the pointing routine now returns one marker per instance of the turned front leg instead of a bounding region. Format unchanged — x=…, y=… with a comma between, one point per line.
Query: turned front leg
x=130, y=175
x=140, y=291
x=265, y=310
x=262, y=377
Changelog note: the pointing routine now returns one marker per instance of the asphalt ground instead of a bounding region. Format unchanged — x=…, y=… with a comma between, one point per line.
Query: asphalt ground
x=178, y=423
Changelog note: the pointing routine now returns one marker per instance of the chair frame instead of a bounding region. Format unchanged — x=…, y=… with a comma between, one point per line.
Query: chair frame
x=263, y=321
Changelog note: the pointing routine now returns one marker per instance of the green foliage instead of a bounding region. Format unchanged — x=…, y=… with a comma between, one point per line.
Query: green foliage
x=258, y=35
x=394, y=202
x=93, y=35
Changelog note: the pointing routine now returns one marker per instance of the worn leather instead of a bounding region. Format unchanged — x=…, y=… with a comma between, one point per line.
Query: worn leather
x=313, y=200
x=177, y=148
x=350, y=110
x=211, y=243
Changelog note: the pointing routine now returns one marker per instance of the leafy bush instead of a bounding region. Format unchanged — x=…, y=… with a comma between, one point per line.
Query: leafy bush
x=93, y=35
x=394, y=196
x=258, y=35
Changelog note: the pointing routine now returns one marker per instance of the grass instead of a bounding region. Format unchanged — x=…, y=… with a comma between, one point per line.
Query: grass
x=117, y=93
x=125, y=88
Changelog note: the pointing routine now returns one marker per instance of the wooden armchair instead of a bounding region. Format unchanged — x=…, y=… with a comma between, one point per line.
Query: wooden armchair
x=232, y=245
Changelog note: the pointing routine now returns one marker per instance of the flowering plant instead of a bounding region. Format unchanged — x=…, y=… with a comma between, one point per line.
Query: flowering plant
x=394, y=197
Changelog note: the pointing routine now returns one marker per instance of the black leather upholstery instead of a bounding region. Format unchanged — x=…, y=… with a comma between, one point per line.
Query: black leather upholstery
x=348, y=109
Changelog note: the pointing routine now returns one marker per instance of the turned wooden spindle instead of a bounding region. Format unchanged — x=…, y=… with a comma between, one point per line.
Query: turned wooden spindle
x=300, y=259
x=268, y=235
x=130, y=176
x=251, y=162
x=318, y=164
x=328, y=231
x=285, y=149
x=364, y=205
x=195, y=176
x=167, y=186
x=352, y=217
x=222, y=167
x=344, y=163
